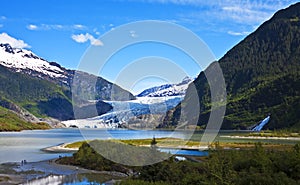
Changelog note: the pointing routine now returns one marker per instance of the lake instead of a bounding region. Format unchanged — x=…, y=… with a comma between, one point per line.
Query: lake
x=27, y=145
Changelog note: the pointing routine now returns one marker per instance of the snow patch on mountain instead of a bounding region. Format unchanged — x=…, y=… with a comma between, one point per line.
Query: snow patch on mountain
x=167, y=90
x=22, y=59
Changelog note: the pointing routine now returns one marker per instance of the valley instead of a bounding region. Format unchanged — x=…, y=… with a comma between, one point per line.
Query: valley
x=61, y=125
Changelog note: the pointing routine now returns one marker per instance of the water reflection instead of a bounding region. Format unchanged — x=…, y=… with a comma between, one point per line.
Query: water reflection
x=52, y=179
x=74, y=179
x=17, y=146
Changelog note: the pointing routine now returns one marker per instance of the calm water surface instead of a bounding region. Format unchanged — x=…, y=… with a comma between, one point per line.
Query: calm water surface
x=17, y=146
x=27, y=145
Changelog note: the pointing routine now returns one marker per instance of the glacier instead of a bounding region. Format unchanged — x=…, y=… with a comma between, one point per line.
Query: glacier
x=123, y=111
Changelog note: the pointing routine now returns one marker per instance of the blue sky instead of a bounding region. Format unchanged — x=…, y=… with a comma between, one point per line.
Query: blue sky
x=62, y=30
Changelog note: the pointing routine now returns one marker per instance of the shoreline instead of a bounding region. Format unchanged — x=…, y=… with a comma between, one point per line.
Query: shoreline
x=61, y=148
x=263, y=137
x=16, y=173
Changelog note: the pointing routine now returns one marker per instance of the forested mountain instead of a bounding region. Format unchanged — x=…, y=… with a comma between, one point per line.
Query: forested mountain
x=40, y=97
x=262, y=76
x=30, y=83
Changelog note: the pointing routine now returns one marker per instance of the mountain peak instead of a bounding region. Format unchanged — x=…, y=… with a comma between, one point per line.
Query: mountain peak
x=185, y=80
x=26, y=61
x=7, y=48
x=167, y=89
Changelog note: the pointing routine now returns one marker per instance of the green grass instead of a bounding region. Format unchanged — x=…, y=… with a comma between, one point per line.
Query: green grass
x=192, y=144
x=279, y=133
x=75, y=144
x=9, y=121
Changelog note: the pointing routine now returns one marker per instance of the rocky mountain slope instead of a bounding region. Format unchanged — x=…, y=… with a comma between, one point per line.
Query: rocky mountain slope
x=262, y=76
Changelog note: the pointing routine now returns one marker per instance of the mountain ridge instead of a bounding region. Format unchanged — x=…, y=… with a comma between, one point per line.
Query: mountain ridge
x=261, y=75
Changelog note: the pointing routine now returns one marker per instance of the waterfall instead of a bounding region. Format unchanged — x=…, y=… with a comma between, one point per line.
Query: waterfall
x=261, y=124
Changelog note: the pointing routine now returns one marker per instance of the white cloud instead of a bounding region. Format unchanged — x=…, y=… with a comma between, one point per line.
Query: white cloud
x=82, y=38
x=179, y=2
x=56, y=27
x=15, y=43
x=3, y=18
x=32, y=27
x=263, y=4
x=245, y=13
x=221, y=16
x=79, y=27
x=236, y=11
x=95, y=30
x=238, y=33
x=1, y=25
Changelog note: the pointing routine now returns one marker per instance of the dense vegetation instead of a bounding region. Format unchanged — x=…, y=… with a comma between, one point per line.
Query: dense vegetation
x=256, y=166
x=90, y=155
x=253, y=166
x=9, y=121
x=41, y=97
x=262, y=76
x=88, y=158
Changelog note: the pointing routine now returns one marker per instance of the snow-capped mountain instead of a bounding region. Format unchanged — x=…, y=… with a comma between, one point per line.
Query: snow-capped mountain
x=26, y=62
x=167, y=89
x=22, y=60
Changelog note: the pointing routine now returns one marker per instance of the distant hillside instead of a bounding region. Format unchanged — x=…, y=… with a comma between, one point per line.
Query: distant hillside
x=262, y=75
x=9, y=121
